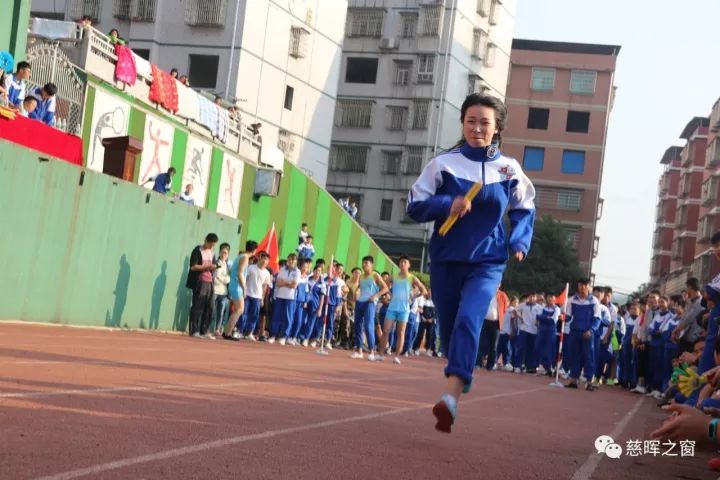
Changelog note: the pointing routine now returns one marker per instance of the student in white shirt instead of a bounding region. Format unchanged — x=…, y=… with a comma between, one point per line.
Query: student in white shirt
x=257, y=282
x=507, y=330
x=284, y=306
x=528, y=332
x=413, y=322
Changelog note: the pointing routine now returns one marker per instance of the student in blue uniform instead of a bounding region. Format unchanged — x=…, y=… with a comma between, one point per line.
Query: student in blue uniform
x=369, y=289
x=600, y=334
x=547, y=327
x=657, y=346
x=583, y=313
x=467, y=264
x=528, y=326
x=315, y=308
x=627, y=365
x=301, y=298
x=284, y=304
x=398, y=312
x=413, y=323
x=15, y=84
x=671, y=348
x=45, y=110
x=336, y=288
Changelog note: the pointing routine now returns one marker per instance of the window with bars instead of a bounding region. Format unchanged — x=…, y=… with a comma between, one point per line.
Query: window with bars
x=144, y=10
x=298, y=42
x=573, y=235
x=348, y=158
x=205, y=13
x=82, y=8
x=354, y=113
x=397, y=117
x=483, y=7
x=479, y=45
x=365, y=22
x=477, y=85
x=569, y=200
x=543, y=79
x=583, y=81
x=494, y=12
x=420, y=114
x=402, y=72
x=386, y=207
x=553, y=198
x=121, y=9
x=413, y=161
x=392, y=160
x=408, y=24
x=426, y=67
x=490, y=55
x=286, y=142
x=431, y=15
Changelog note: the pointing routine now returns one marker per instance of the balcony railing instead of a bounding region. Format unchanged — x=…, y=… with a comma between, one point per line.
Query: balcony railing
x=706, y=230
x=715, y=117
x=710, y=191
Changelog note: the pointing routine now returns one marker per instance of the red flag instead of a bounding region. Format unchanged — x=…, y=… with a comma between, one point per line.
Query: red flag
x=269, y=245
x=562, y=298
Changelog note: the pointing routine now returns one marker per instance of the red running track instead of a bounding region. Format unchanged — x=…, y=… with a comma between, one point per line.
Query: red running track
x=93, y=403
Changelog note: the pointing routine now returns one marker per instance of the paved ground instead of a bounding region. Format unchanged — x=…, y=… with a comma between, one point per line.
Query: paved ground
x=86, y=403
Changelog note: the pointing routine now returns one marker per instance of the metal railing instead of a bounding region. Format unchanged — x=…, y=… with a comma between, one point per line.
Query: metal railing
x=206, y=13
x=89, y=8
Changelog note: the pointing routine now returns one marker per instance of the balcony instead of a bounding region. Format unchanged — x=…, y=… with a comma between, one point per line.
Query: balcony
x=710, y=191
x=712, y=158
x=715, y=117
x=685, y=183
x=706, y=228
x=96, y=55
x=677, y=250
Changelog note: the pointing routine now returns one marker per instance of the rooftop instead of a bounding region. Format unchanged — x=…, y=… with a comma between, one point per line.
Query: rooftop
x=672, y=153
x=693, y=125
x=565, y=47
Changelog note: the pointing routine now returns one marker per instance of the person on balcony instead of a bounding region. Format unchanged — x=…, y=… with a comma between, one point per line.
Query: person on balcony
x=28, y=106
x=45, y=111
x=163, y=181
x=6, y=65
x=15, y=84
x=186, y=196
x=115, y=38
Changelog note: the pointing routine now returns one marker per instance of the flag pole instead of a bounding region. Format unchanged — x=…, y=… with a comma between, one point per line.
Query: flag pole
x=322, y=350
x=557, y=383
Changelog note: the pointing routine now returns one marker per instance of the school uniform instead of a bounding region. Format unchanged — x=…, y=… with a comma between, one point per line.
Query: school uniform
x=657, y=348
x=301, y=297
x=256, y=279
x=313, y=326
x=467, y=264
x=334, y=298
x=602, y=350
x=670, y=350
x=584, y=315
x=626, y=374
x=45, y=109
x=489, y=332
x=707, y=361
x=527, y=354
x=365, y=312
x=284, y=304
x=413, y=324
x=427, y=327
x=545, y=342
x=15, y=90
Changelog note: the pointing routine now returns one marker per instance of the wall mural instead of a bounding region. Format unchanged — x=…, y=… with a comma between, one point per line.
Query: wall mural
x=197, y=169
x=157, y=150
x=230, y=182
x=109, y=119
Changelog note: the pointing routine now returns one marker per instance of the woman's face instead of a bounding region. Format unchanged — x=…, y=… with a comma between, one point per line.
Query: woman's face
x=479, y=126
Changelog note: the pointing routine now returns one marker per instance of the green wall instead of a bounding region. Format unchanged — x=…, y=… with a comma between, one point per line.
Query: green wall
x=13, y=24
x=102, y=251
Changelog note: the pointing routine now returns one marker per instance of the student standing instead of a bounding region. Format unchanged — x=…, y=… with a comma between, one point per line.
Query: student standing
x=238, y=289
x=547, y=327
x=284, y=306
x=583, y=313
x=258, y=283
x=315, y=308
x=301, y=300
x=370, y=288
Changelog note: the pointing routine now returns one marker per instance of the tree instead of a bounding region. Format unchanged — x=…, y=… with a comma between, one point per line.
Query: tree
x=551, y=263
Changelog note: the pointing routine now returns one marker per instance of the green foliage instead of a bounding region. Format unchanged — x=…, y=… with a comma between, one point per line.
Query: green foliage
x=423, y=277
x=551, y=263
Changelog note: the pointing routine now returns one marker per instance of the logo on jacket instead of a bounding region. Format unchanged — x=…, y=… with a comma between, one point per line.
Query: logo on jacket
x=491, y=151
x=508, y=171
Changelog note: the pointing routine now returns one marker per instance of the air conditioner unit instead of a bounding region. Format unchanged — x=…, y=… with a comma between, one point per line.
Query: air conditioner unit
x=425, y=77
x=388, y=43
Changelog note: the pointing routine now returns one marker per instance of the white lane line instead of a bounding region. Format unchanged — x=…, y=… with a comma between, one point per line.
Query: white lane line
x=201, y=447
x=588, y=468
x=195, y=386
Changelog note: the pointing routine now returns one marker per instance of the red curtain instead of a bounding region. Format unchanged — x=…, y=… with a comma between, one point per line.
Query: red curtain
x=42, y=138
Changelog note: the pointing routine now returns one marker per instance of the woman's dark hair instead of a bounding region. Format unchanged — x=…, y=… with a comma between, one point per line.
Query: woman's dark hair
x=485, y=101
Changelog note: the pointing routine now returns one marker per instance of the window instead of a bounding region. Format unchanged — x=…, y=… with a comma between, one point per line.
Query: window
x=543, y=79
x=483, y=7
x=578, y=122
x=494, y=12
x=298, y=42
x=573, y=161
x=144, y=10
x=205, y=13
x=408, y=24
x=426, y=66
x=289, y=93
x=391, y=162
x=420, y=114
x=286, y=142
x=348, y=158
x=402, y=72
x=573, y=235
x=431, y=19
x=81, y=8
x=354, y=113
x=386, y=210
x=203, y=71
x=538, y=118
x=583, y=81
x=361, y=70
x=534, y=158
x=479, y=46
x=365, y=22
x=477, y=85
x=569, y=200
x=142, y=52
x=490, y=55
x=413, y=160
x=397, y=117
